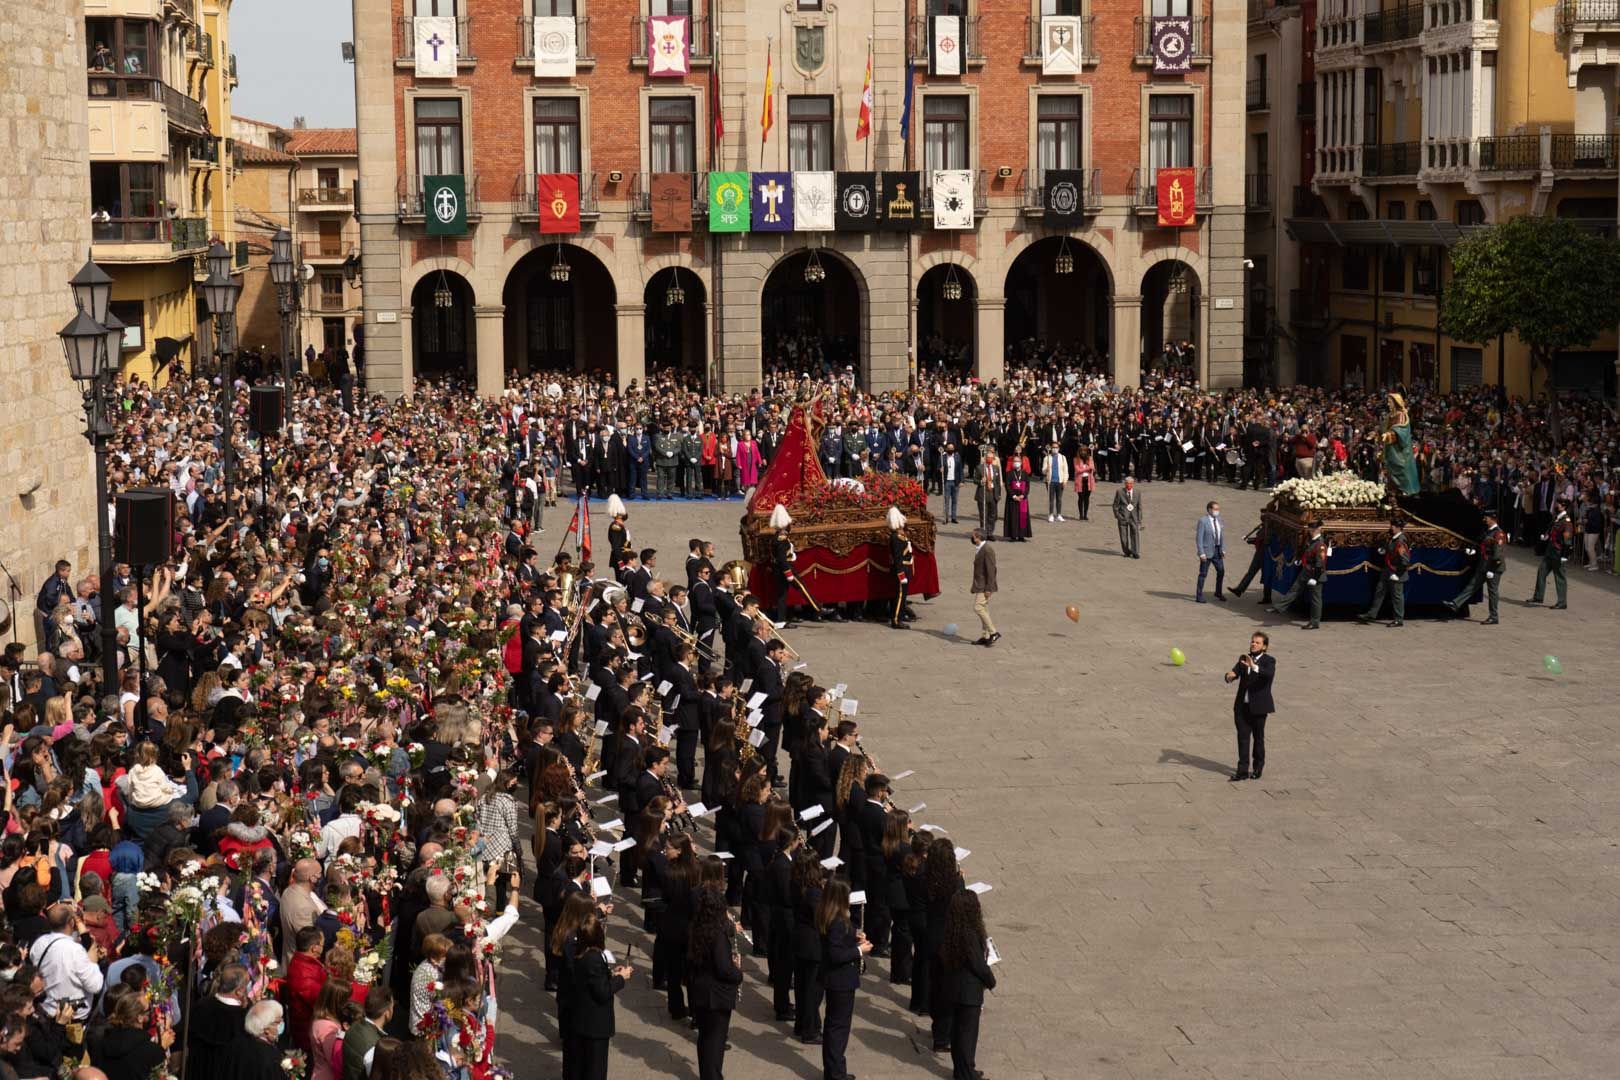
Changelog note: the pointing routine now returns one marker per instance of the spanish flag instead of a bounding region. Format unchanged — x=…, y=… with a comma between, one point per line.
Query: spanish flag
x=863, y=123
x=767, y=113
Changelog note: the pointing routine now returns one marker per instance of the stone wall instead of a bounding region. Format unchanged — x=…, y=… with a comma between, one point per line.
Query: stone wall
x=46, y=480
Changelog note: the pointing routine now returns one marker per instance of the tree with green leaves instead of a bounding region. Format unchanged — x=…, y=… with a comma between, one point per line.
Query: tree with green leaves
x=1546, y=280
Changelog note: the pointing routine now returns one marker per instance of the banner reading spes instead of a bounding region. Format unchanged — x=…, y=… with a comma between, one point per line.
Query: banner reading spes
x=728, y=202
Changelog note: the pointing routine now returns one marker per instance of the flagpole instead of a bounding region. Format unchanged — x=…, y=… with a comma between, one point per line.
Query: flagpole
x=868, y=139
x=717, y=332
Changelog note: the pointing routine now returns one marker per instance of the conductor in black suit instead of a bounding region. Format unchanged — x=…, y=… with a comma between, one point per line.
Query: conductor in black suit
x=1253, y=673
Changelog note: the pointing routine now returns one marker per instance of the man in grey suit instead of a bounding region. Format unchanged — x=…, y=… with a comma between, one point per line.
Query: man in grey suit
x=1128, y=514
x=984, y=586
x=989, y=493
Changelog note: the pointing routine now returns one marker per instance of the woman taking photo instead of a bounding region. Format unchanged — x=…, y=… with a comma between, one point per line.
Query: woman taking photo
x=841, y=951
x=713, y=966
x=968, y=975
x=595, y=979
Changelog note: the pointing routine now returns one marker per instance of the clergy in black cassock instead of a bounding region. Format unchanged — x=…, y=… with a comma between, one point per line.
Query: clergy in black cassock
x=1017, y=500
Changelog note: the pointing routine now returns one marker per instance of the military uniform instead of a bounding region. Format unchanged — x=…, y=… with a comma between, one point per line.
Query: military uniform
x=1312, y=563
x=691, y=463
x=782, y=556
x=854, y=443
x=667, y=462
x=901, y=563
x=1395, y=555
x=1488, y=570
x=1560, y=540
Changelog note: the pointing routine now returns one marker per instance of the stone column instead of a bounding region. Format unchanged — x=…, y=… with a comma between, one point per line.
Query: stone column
x=407, y=350
x=632, y=343
x=1127, y=340
x=491, y=349
x=990, y=352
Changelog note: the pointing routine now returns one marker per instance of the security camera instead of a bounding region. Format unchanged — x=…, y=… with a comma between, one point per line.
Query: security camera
x=1248, y=264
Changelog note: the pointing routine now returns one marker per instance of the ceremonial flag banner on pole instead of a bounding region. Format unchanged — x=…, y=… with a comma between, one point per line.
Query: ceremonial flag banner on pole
x=946, y=55
x=905, y=111
x=953, y=198
x=773, y=202
x=728, y=202
x=856, y=209
x=898, y=206
x=813, y=197
x=579, y=526
x=444, y=204
x=435, y=37
x=863, y=122
x=558, y=201
x=671, y=195
x=669, y=46
x=1178, y=205
x=767, y=112
x=1060, y=45
x=556, y=46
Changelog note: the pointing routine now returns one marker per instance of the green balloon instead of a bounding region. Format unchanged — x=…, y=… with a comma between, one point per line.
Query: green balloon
x=1551, y=664
x=1177, y=657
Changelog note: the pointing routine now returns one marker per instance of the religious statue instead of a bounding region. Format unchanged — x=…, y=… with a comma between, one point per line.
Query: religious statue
x=1400, y=468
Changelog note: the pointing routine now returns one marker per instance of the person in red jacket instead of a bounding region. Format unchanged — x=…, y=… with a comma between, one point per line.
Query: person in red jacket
x=305, y=977
x=244, y=833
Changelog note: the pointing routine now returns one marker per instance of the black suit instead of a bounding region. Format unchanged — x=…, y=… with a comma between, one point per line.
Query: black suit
x=806, y=962
x=715, y=978
x=968, y=985
x=779, y=959
x=768, y=681
x=1250, y=708
x=688, y=719
x=871, y=818
x=841, y=976
x=590, y=1012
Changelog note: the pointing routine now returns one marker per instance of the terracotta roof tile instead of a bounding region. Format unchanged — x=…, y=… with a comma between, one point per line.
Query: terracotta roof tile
x=259, y=155
x=318, y=141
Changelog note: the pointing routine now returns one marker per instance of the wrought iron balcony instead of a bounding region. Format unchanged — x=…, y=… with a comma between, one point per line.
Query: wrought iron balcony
x=1573, y=13
x=582, y=40
x=1143, y=190
x=327, y=198
x=701, y=47
x=1510, y=153
x=1088, y=40
x=405, y=41
x=641, y=197
x=1392, y=25
x=1032, y=192
x=527, y=200
x=1257, y=192
x=1583, y=153
x=981, y=186
x=1255, y=95
x=326, y=249
x=1201, y=51
x=920, y=40
x=411, y=199
x=1391, y=159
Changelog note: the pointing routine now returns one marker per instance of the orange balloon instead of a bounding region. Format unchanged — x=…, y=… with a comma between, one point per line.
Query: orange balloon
x=1072, y=612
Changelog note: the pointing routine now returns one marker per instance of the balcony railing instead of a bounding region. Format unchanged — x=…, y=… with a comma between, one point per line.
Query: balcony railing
x=1334, y=31
x=1588, y=12
x=203, y=150
x=1307, y=203
x=1583, y=153
x=1392, y=25
x=1391, y=159
x=1144, y=39
x=325, y=249
x=641, y=197
x=697, y=29
x=1144, y=191
x=1088, y=40
x=582, y=39
x=1254, y=95
x=922, y=34
x=405, y=40
x=185, y=111
x=321, y=300
x=1305, y=101
x=341, y=195
x=200, y=45
x=1447, y=153
x=230, y=68
x=411, y=198
x=981, y=185
x=109, y=84
x=527, y=200
x=186, y=8
x=1032, y=192
x=1510, y=153
x=1257, y=192
x=187, y=233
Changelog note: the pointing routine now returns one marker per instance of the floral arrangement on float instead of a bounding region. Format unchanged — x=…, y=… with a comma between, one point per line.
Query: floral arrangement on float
x=1327, y=492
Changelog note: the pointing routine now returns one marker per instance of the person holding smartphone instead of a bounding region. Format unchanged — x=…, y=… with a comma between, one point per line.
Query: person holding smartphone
x=1253, y=673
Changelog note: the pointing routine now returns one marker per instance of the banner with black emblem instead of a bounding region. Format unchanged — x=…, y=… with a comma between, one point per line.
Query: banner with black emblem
x=1065, y=195
x=857, y=202
x=898, y=206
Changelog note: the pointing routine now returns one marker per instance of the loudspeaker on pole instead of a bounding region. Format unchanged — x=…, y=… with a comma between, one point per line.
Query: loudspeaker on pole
x=264, y=409
x=145, y=526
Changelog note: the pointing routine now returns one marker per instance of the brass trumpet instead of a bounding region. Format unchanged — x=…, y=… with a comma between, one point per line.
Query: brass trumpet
x=735, y=575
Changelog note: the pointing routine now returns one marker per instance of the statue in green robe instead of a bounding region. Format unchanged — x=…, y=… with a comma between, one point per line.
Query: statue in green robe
x=1400, y=468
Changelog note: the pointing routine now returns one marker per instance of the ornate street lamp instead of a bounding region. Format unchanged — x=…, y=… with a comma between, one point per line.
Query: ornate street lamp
x=92, y=290
x=560, y=270
x=952, y=289
x=814, y=272
x=283, y=272
x=1064, y=263
x=674, y=296
x=220, y=293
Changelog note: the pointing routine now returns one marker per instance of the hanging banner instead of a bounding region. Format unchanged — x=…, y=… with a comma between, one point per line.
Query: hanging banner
x=556, y=46
x=728, y=202
x=671, y=197
x=1060, y=45
x=898, y=206
x=813, y=197
x=559, y=202
x=669, y=46
x=1172, y=44
x=1064, y=196
x=1178, y=205
x=773, y=201
x=435, y=37
x=856, y=209
x=953, y=198
x=444, y=203
x=945, y=49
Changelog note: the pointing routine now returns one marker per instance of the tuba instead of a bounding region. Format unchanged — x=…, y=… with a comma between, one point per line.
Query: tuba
x=735, y=575
x=566, y=581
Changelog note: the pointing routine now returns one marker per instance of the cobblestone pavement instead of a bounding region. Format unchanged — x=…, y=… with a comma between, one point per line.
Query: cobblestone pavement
x=1423, y=884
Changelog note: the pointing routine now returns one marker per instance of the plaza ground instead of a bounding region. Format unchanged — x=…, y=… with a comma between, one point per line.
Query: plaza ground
x=1426, y=883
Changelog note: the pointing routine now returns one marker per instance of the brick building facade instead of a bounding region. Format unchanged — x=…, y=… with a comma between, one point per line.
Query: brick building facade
x=620, y=297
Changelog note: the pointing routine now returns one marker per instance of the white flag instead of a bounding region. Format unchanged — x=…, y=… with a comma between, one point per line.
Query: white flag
x=1060, y=45
x=953, y=198
x=813, y=198
x=435, y=46
x=947, y=58
x=555, y=46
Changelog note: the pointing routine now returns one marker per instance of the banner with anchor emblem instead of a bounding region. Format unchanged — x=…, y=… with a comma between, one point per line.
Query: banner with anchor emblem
x=444, y=200
x=559, y=202
x=953, y=198
x=856, y=210
x=435, y=37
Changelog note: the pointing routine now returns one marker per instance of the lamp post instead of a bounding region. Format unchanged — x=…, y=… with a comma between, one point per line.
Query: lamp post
x=220, y=293
x=88, y=345
x=282, y=271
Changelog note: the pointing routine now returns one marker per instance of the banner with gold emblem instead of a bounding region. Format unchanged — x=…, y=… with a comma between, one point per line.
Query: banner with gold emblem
x=1177, y=204
x=559, y=202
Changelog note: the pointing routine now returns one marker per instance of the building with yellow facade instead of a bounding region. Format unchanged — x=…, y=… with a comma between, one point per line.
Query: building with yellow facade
x=1418, y=122
x=160, y=74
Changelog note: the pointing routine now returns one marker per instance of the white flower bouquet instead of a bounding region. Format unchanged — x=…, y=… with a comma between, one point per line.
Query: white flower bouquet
x=1322, y=493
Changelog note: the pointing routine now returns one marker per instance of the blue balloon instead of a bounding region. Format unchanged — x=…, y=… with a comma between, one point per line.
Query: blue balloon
x=950, y=629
